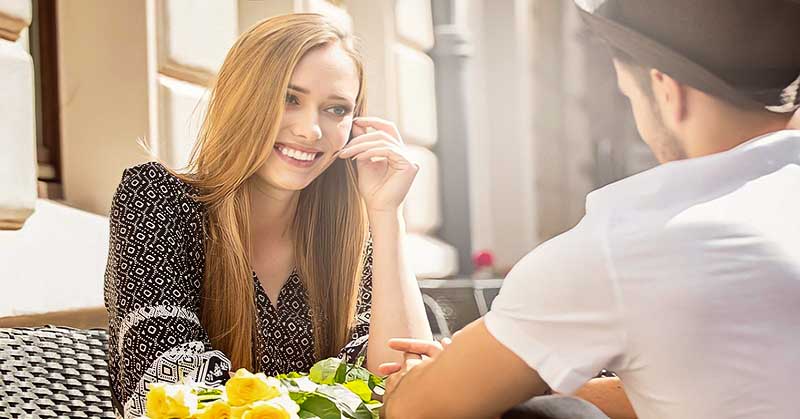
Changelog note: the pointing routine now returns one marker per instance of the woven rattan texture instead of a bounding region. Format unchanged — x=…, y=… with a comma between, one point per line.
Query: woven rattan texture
x=54, y=372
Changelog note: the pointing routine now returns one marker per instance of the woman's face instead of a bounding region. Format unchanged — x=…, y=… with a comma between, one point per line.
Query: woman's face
x=317, y=118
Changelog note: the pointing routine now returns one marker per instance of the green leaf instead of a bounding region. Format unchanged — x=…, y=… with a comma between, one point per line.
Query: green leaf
x=289, y=375
x=324, y=372
x=320, y=406
x=203, y=391
x=307, y=415
x=299, y=396
x=376, y=382
x=361, y=389
x=341, y=373
x=358, y=373
x=300, y=384
x=347, y=400
x=369, y=411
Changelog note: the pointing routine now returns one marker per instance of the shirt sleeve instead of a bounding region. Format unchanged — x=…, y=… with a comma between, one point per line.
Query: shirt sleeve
x=559, y=309
x=360, y=335
x=152, y=284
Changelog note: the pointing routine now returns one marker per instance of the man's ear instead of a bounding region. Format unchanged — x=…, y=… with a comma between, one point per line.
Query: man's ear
x=670, y=95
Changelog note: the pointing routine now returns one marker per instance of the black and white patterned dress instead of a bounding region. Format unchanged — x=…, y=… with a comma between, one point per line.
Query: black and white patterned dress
x=152, y=293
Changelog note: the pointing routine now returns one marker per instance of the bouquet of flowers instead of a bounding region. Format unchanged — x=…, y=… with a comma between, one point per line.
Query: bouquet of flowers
x=333, y=389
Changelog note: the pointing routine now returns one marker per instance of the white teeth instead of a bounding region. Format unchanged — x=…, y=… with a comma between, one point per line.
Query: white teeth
x=296, y=154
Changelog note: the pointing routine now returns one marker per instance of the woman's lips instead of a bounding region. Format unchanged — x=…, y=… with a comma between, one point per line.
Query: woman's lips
x=296, y=156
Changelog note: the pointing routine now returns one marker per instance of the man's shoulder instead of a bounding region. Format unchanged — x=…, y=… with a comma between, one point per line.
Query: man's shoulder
x=575, y=258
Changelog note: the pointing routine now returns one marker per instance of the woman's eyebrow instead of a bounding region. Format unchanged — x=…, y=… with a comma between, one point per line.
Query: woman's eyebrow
x=306, y=91
x=341, y=98
x=299, y=89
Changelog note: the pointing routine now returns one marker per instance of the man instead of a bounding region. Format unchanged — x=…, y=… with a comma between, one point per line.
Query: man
x=685, y=279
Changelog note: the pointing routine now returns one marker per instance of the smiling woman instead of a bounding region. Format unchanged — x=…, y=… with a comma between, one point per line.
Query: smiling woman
x=317, y=119
x=259, y=255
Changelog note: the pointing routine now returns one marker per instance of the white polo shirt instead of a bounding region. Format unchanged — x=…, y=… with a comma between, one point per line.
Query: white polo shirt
x=684, y=280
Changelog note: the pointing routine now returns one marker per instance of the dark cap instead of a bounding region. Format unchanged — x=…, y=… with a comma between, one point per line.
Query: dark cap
x=743, y=51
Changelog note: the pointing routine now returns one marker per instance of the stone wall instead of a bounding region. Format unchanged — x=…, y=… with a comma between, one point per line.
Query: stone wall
x=17, y=123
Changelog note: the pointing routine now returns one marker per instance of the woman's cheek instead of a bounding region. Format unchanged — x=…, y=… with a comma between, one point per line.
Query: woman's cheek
x=343, y=131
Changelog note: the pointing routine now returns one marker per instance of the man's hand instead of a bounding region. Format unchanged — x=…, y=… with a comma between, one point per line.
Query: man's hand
x=414, y=352
x=475, y=376
x=423, y=349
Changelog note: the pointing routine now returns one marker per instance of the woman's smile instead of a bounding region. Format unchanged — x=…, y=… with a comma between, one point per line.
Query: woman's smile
x=297, y=156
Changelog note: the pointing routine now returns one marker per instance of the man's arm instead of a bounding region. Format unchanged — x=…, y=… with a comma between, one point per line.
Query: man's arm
x=476, y=377
x=608, y=394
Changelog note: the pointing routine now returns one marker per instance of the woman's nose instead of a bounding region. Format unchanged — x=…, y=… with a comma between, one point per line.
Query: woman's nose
x=308, y=127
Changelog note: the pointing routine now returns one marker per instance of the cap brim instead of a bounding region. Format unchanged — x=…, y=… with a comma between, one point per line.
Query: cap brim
x=652, y=53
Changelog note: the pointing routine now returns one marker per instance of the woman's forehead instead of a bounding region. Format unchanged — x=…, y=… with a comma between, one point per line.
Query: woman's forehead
x=327, y=70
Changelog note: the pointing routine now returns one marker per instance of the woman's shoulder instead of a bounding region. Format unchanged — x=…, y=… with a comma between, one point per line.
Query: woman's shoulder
x=153, y=218
x=151, y=184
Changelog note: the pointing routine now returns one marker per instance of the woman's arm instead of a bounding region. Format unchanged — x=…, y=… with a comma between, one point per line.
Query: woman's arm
x=385, y=174
x=397, y=308
x=152, y=290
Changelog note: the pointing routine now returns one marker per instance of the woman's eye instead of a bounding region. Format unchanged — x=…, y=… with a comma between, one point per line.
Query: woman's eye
x=339, y=110
x=292, y=99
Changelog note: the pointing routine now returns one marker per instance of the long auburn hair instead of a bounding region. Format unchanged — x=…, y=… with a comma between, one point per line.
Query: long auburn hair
x=237, y=136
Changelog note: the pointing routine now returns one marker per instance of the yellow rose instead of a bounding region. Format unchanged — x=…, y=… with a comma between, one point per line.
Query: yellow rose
x=167, y=401
x=238, y=411
x=217, y=410
x=244, y=388
x=265, y=410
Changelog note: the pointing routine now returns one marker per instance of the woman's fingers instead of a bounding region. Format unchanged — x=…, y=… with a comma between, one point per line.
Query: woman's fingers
x=445, y=342
x=416, y=346
x=410, y=360
x=378, y=124
x=396, y=159
x=389, y=368
x=372, y=136
x=363, y=146
x=356, y=131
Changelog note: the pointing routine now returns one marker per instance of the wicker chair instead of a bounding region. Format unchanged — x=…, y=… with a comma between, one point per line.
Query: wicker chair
x=54, y=372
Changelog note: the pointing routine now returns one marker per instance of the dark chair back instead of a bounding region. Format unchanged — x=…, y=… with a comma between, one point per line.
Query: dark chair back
x=54, y=372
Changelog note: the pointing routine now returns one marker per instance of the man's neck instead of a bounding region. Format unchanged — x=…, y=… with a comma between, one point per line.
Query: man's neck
x=729, y=131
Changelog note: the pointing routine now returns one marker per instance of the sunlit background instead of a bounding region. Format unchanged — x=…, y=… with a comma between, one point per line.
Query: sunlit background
x=509, y=105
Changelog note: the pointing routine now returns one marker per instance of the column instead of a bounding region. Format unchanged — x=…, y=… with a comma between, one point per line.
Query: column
x=394, y=38
x=450, y=55
x=17, y=121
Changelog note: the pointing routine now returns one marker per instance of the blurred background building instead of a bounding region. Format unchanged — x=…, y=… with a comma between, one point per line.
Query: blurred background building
x=511, y=108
